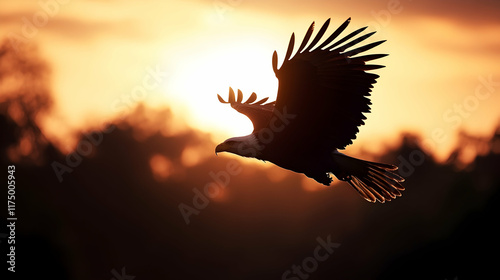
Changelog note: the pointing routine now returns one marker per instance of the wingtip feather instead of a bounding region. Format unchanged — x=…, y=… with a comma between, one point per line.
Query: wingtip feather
x=252, y=98
x=231, y=95
x=306, y=38
x=240, y=96
x=290, y=48
x=221, y=100
x=275, y=62
x=261, y=101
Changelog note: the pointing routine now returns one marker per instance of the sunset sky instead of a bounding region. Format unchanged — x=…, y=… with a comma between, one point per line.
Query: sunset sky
x=442, y=74
x=110, y=117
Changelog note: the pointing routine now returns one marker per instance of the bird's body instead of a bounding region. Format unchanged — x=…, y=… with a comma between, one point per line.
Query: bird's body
x=322, y=95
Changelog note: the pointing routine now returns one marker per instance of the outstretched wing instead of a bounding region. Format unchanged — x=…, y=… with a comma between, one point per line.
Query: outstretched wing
x=325, y=85
x=258, y=112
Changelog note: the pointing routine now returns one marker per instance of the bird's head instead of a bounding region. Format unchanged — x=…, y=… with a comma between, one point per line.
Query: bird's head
x=246, y=146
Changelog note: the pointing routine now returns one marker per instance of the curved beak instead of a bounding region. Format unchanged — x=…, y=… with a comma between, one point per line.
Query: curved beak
x=221, y=148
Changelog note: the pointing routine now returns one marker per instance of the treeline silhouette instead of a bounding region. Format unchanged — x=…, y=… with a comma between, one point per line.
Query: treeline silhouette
x=112, y=205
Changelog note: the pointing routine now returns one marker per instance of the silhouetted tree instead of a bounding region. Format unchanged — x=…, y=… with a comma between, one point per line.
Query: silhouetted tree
x=24, y=99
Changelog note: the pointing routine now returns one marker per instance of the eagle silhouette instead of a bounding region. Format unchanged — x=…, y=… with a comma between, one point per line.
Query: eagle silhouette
x=323, y=92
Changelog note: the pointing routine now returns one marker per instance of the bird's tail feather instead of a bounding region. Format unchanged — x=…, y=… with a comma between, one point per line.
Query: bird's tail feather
x=372, y=180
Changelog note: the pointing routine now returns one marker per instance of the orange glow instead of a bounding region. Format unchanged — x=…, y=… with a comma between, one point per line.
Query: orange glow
x=436, y=63
x=219, y=194
x=25, y=145
x=309, y=184
x=277, y=175
x=17, y=114
x=190, y=157
x=242, y=65
x=193, y=155
x=161, y=167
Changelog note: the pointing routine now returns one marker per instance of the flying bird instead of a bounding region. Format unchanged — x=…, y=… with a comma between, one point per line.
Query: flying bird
x=323, y=93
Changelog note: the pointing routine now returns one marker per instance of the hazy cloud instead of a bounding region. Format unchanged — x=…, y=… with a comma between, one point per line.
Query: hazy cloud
x=468, y=11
